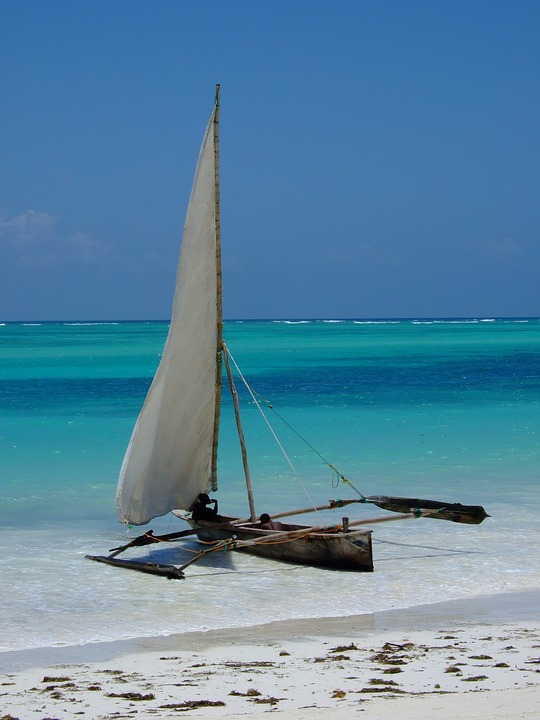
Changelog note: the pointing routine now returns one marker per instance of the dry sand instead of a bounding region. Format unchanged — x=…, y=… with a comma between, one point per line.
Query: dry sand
x=454, y=660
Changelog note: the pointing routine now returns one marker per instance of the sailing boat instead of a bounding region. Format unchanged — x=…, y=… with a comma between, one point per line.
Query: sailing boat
x=172, y=455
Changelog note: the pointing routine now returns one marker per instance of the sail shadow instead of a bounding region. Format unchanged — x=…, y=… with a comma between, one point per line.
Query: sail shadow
x=181, y=553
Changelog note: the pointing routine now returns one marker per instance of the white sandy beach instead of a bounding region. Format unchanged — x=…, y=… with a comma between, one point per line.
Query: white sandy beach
x=463, y=659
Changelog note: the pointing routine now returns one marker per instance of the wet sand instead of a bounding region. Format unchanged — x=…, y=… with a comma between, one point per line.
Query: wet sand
x=477, y=658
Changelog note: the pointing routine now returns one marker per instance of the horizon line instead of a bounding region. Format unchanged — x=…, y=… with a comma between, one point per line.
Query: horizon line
x=297, y=319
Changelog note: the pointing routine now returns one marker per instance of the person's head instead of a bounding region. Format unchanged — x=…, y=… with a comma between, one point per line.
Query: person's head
x=204, y=499
x=265, y=518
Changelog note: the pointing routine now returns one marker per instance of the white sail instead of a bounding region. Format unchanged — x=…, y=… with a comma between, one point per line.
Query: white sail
x=169, y=458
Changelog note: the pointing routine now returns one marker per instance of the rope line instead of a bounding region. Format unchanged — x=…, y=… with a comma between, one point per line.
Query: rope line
x=258, y=399
x=257, y=403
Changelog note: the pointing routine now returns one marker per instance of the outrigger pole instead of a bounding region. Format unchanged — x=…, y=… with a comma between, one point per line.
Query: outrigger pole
x=232, y=543
x=454, y=512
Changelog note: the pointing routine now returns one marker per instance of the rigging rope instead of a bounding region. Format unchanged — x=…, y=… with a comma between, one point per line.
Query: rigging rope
x=336, y=473
x=257, y=403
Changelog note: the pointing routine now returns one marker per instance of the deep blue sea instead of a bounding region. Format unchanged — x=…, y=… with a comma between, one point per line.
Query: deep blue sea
x=442, y=409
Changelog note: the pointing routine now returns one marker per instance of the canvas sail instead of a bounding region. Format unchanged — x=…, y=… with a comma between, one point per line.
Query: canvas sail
x=169, y=458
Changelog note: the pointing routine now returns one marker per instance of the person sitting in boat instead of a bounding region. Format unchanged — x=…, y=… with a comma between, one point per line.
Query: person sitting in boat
x=268, y=524
x=201, y=510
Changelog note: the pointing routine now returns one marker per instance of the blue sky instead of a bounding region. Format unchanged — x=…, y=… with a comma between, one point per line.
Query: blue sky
x=380, y=158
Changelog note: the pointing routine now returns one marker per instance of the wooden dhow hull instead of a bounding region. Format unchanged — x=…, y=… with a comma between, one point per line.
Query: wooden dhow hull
x=327, y=548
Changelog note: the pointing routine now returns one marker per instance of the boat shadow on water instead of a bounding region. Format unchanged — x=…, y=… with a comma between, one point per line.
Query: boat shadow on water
x=180, y=554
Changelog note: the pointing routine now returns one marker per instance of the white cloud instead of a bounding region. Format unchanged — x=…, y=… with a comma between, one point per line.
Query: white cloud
x=498, y=248
x=34, y=239
x=28, y=229
x=86, y=248
x=369, y=251
x=364, y=253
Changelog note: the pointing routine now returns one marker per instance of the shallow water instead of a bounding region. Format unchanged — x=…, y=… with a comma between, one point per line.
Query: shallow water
x=444, y=410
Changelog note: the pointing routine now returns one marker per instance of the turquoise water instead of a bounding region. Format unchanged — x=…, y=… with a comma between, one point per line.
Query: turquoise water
x=439, y=409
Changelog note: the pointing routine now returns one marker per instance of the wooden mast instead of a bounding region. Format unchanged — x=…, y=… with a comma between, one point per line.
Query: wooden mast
x=253, y=514
x=219, y=293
